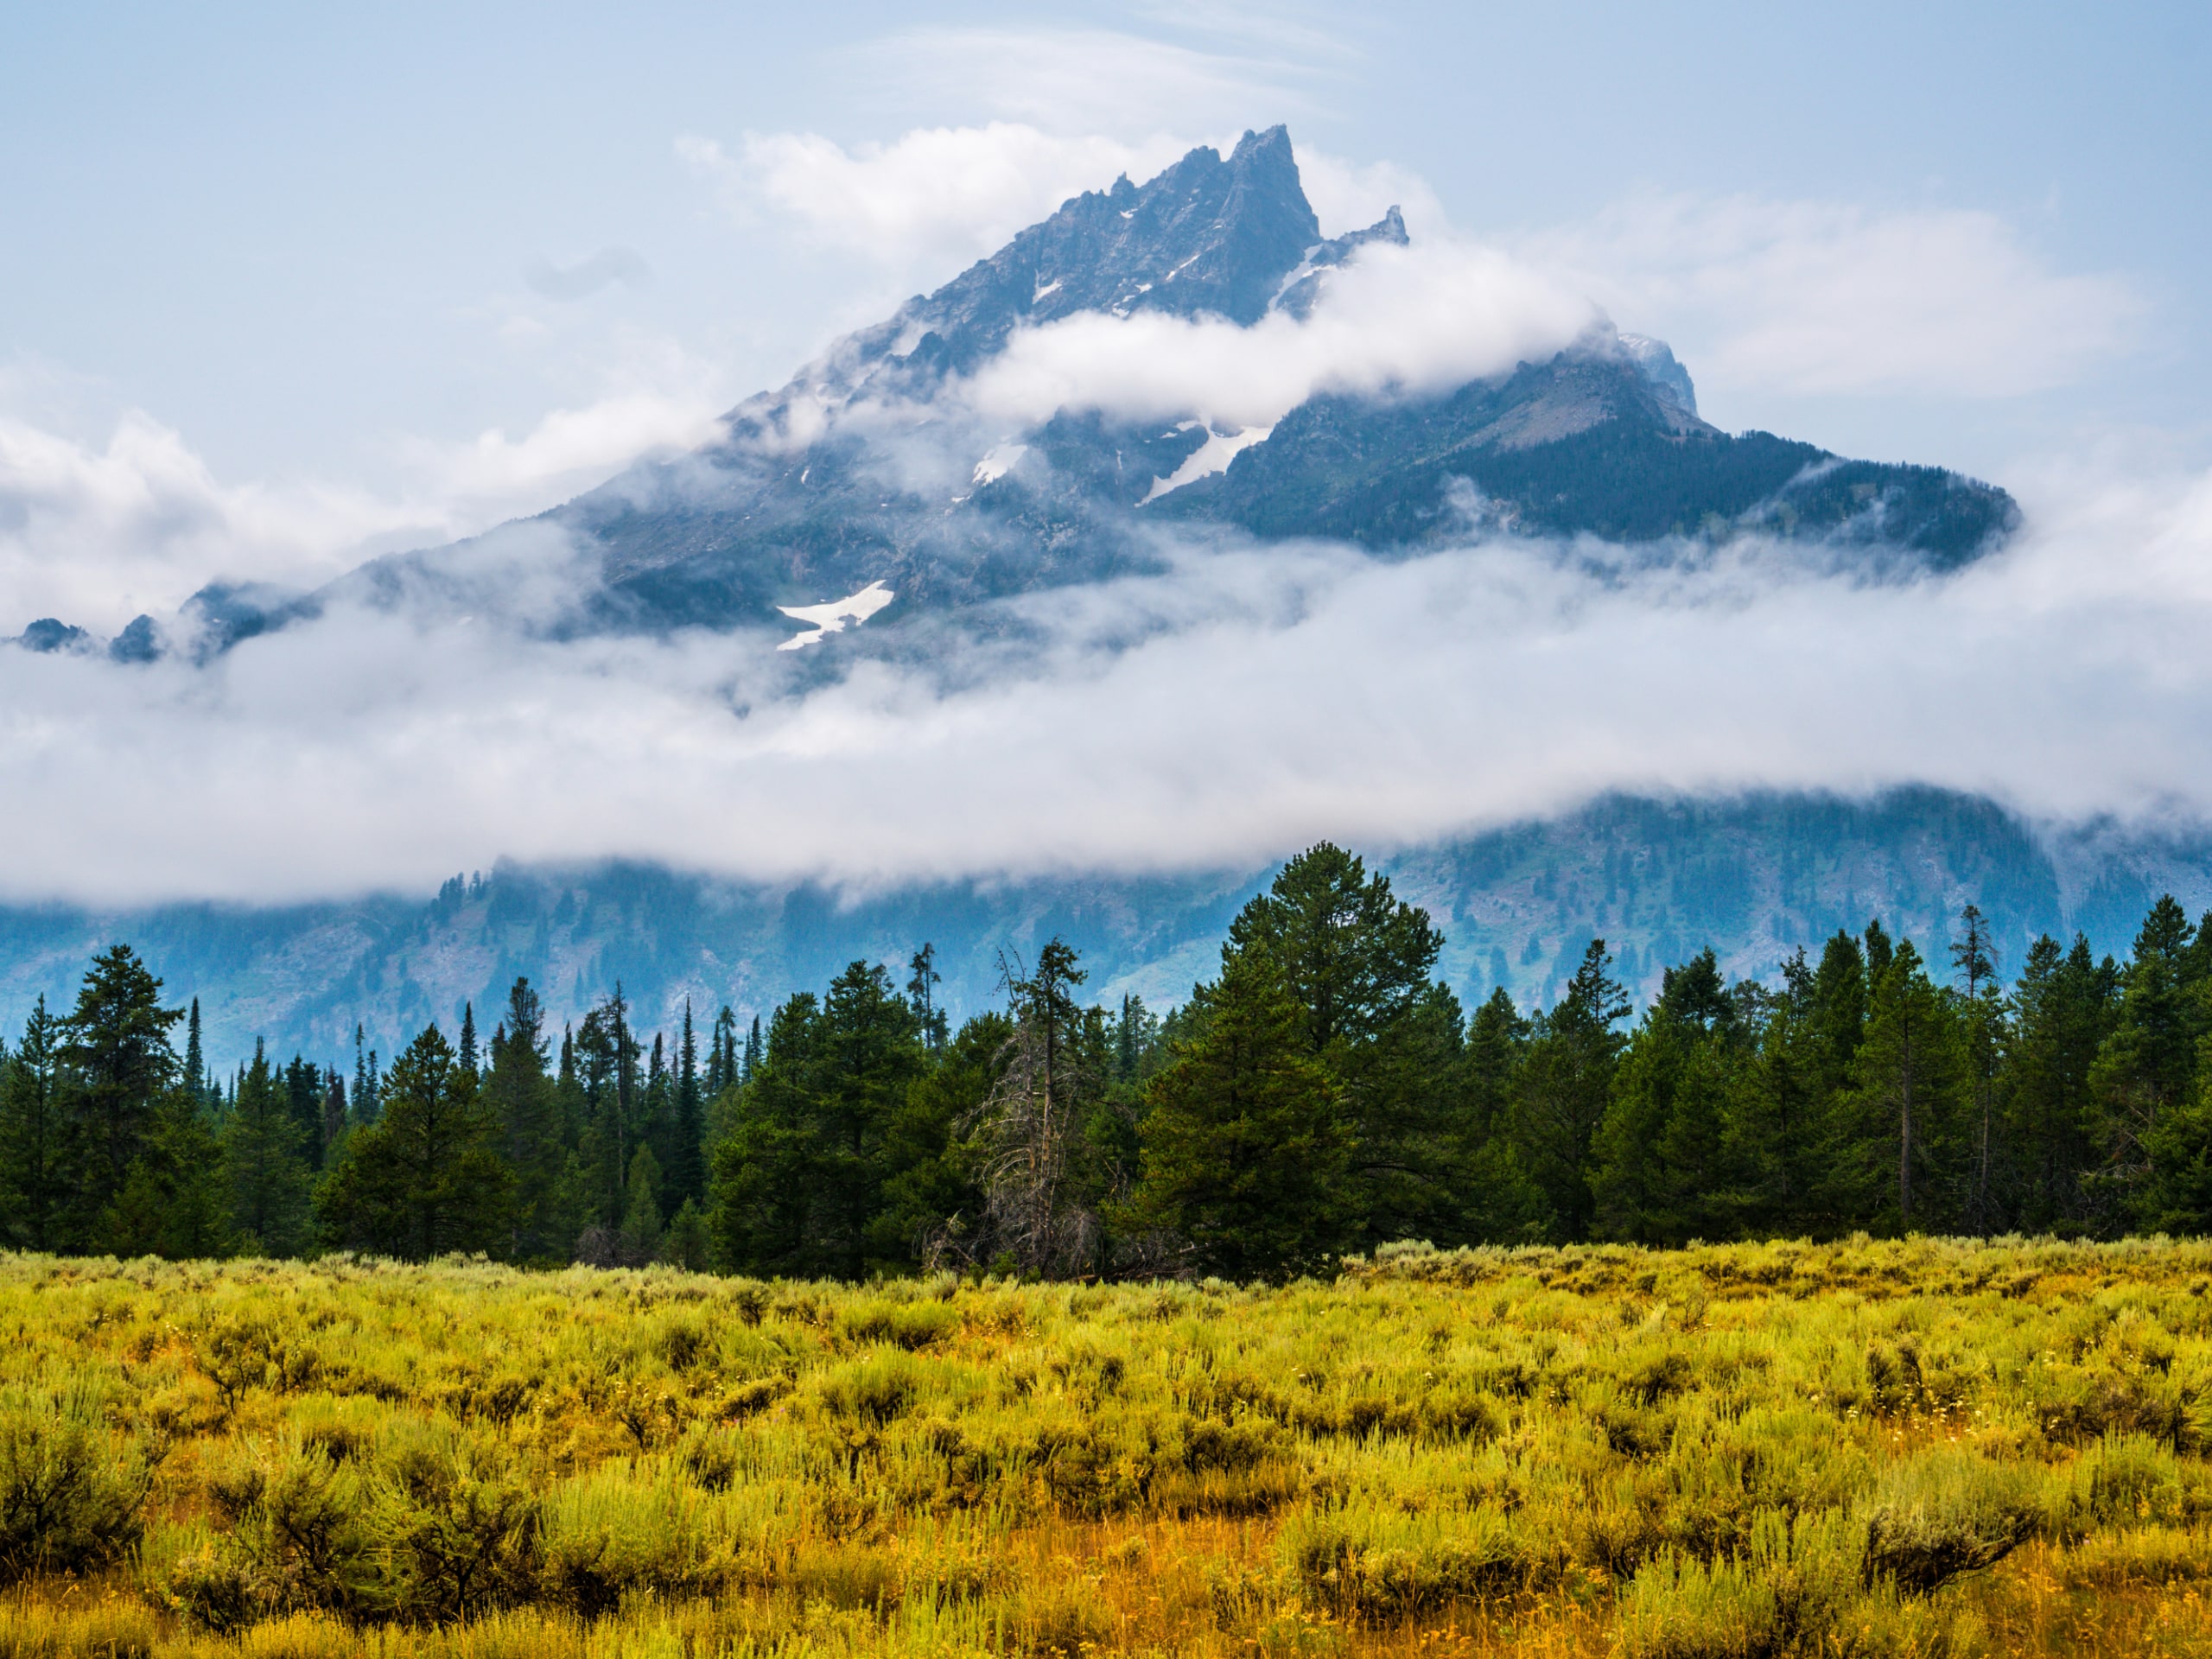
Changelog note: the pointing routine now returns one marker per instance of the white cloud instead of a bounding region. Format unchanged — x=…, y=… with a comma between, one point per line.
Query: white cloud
x=494, y=476
x=1090, y=80
x=1215, y=716
x=948, y=193
x=1812, y=297
x=1418, y=319
x=95, y=533
x=957, y=193
x=585, y=277
x=1351, y=195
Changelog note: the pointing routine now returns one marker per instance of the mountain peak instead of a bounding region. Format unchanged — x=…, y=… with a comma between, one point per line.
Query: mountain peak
x=1204, y=236
x=871, y=473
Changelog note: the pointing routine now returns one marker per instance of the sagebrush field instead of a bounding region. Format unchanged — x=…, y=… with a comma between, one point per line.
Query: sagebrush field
x=1867, y=1447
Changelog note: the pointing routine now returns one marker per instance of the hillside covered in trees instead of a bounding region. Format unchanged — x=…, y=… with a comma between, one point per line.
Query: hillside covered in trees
x=1323, y=1094
x=1658, y=880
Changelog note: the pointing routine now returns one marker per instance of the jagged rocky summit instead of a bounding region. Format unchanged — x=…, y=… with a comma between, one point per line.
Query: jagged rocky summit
x=867, y=468
x=813, y=493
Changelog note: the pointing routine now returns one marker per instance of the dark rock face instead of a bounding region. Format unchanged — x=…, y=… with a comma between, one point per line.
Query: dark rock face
x=1583, y=444
x=863, y=468
x=1303, y=286
x=51, y=633
x=138, y=643
x=1668, y=377
x=1207, y=236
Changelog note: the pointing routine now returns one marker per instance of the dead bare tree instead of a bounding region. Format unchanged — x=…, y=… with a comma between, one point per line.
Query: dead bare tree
x=1028, y=1133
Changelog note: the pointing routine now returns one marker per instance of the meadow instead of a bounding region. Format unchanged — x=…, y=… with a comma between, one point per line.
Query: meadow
x=1917, y=1446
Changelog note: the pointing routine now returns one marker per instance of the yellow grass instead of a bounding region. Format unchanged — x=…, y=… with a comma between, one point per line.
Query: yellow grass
x=1917, y=1447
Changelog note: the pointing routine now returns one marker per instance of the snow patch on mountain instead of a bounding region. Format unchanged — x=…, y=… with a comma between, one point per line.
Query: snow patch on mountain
x=824, y=620
x=1212, y=456
x=998, y=462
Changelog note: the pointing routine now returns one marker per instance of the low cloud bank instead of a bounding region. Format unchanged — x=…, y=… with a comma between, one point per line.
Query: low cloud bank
x=95, y=532
x=1236, y=707
x=1416, y=320
x=1244, y=702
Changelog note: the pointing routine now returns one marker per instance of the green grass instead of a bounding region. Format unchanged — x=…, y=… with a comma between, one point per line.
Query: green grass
x=1907, y=1447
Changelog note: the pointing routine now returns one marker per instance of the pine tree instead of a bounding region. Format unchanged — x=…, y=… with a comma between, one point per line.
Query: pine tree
x=1496, y=1039
x=721, y=1053
x=1776, y=1118
x=33, y=1166
x=332, y=1131
x=1973, y=962
x=366, y=1083
x=2063, y=1009
x=1669, y=1155
x=426, y=1177
x=686, y=1175
x=1910, y=1075
x=921, y=997
x=468, y=1051
x=656, y=1118
x=1565, y=1085
x=1245, y=1151
x=687, y=1244
x=800, y=1179
x=763, y=1188
x=116, y=1049
x=756, y=1053
x=264, y=1155
x=606, y=1068
x=525, y=1102
x=195, y=1059
x=641, y=1216
x=1879, y=950
x=1136, y=1042
x=1496, y=1202
x=932, y=1202
x=1360, y=962
x=175, y=1202
x=2176, y=1196
x=2148, y=1066
x=1353, y=956
x=303, y=1089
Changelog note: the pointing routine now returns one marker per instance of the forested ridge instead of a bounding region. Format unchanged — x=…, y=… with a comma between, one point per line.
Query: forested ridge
x=1323, y=1095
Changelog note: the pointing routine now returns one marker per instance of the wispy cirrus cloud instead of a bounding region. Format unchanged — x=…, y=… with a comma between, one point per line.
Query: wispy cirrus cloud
x=936, y=197
x=1092, y=80
x=581, y=278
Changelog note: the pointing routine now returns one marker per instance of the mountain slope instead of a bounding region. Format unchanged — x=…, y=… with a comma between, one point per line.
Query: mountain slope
x=1755, y=878
x=872, y=466
x=1583, y=444
x=868, y=466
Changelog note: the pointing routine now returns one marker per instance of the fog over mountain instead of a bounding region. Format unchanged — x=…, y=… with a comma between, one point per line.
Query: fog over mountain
x=1168, y=538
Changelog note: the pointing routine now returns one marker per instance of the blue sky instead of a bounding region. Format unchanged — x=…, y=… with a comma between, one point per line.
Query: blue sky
x=301, y=238
x=281, y=288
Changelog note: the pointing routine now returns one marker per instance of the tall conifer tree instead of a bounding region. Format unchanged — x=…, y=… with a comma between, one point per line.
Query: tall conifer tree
x=33, y=1164
x=265, y=1158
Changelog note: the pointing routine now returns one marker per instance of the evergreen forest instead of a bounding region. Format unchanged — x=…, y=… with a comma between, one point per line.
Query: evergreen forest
x=1325, y=1095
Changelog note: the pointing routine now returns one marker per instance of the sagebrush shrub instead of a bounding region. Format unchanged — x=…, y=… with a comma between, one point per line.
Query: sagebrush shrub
x=68, y=1503
x=1938, y=1516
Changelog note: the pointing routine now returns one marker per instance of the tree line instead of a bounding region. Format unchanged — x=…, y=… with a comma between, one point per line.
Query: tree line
x=1325, y=1093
